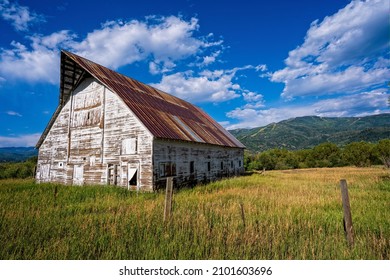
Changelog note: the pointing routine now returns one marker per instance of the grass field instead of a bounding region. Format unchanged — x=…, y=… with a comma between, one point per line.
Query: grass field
x=295, y=214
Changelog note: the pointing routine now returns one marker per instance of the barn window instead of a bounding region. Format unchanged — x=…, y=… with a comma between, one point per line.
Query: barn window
x=231, y=164
x=129, y=146
x=221, y=165
x=208, y=166
x=192, y=167
x=239, y=163
x=167, y=169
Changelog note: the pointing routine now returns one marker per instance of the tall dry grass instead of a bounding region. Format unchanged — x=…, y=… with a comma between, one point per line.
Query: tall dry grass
x=295, y=214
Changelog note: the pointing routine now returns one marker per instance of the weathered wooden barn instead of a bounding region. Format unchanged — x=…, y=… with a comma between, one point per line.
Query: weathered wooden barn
x=111, y=129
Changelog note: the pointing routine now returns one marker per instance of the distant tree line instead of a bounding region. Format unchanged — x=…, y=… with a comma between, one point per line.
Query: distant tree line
x=328, y=154
x=19, y=170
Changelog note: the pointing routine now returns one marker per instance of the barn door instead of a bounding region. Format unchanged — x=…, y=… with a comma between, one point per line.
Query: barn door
x=78, y=174
x=44, y=172
x=133, y=175
x=112, y=174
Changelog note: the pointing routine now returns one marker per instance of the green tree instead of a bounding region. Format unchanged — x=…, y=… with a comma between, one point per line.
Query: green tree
x=382, y=150
x=248, y=158
x=326, y=155
x=305, y=158
x=358, y=154
x=280, y=159
x=266, y=160
x=291, y=160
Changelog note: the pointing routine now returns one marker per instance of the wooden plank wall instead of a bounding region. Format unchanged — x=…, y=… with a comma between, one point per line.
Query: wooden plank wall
x=89, y=131
x=121, y=124
x=223, y=161
x=53, y=151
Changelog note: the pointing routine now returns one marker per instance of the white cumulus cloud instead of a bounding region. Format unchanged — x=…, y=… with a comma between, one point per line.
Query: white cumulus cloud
x=343, y=53
x=162, y=39
x=356, y=104
x=37, y=62
x=19, y=16
x=159, y=41
x=212, y=87
x=207, y=86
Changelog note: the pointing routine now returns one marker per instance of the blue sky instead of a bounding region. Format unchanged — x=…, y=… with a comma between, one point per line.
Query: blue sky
x=246, y=63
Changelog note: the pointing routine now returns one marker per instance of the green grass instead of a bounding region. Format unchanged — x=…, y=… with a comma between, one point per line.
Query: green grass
x=294, y=214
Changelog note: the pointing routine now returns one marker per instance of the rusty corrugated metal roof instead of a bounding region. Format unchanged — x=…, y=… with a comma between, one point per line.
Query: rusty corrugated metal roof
x=164, y=115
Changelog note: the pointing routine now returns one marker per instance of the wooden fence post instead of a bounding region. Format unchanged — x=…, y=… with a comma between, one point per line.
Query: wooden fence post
x=55, y=195
x=242, y=213
x=347, y=220
x=168, y=199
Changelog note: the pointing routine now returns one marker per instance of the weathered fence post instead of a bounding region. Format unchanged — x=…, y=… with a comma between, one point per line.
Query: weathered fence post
x=55, y=195
x=347, y=220
x=242, y=213
x=168, y=199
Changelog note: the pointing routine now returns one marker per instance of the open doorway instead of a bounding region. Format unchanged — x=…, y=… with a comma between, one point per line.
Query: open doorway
x=133, y=175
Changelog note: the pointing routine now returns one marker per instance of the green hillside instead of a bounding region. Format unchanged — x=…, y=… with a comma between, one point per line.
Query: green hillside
x=307, y=132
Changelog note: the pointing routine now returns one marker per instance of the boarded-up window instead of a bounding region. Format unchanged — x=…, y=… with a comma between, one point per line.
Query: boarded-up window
x=86, y=117
x=167, y=169
x=129, y=146
x=44, y=172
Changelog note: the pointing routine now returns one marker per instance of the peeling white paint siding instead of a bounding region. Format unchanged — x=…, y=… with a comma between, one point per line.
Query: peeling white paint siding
x=121, y=124
x=92, y=125
x=54, y=150
x=85, y=132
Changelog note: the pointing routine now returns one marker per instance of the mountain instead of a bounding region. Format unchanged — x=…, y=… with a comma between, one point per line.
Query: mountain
x=307, y=132
x=13, y=154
